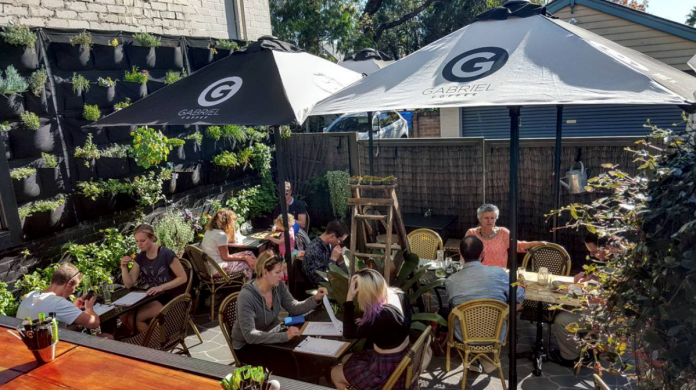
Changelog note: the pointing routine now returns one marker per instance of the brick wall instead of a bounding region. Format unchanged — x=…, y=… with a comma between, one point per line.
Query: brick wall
x=202, y=18
x=426, y=124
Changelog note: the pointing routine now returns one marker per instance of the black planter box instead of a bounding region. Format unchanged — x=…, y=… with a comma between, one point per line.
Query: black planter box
x=190, y=152
x=210, y=147
x=78, y=135
x=121, y=202
x=27, y=189
x=222, y=54
x=111, y=168
x=30, y=143
x=133, y=91
x=45, y=223
x=51, y=181
x=142, y=57
x=118, y=134
x=85, y=172
x=22, y=58
x=200, y=57
x=71, y=58
x=101, y=96
x=11, y=106
x=38, y=104
x=134, y=167
x=109, y=57
x=183, y=180
x=153, y=86
x=68, y=99
x=169, y=58
x=89, y=209
x=5, y=138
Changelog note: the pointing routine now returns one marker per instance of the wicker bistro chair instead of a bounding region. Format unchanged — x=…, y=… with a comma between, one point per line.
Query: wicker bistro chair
x=425, y=243
x=200, y=261
x=189, y=284
x=481, y=322
x=167, y=331
x=557, y=260
x=412, y=365
x=599, y=383
x=226, y=318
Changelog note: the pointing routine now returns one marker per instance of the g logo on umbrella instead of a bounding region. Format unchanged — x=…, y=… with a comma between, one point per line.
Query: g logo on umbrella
x=219, y=91
x=475, y=64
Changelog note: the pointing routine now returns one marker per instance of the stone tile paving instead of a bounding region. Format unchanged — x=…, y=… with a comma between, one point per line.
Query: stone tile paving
x=214, y=348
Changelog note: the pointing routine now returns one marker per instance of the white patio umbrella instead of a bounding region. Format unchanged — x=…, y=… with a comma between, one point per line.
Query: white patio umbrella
x=517, y=55
x=367, y=61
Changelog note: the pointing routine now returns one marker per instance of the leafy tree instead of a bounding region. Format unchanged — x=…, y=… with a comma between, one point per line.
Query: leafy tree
x=691, y=18
x=640, y=5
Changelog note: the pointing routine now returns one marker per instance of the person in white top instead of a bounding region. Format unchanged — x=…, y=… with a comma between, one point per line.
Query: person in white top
x=54, y=299
x=219, y=232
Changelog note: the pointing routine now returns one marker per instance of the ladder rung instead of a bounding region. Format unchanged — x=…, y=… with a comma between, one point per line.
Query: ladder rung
x=372, y=217
x=370, y=202
x=371, y=255
x=377, y=245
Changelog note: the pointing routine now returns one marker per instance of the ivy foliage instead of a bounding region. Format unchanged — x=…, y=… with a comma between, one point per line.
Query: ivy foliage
x=339, y=190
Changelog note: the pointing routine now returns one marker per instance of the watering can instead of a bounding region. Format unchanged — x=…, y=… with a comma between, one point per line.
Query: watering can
x=577, y=180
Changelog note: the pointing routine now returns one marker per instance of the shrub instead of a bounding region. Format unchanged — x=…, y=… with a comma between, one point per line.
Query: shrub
x=197, y=137
x=121, y=105
x=91, y=112
x=105, y=82
x=253, y=202
x=90, y=189
x=226, y=45
x=150, y=147
x=226, y=159
x=234, y=133
x=87, y=152
x=37, y=81
x=49, y=160
x=80, y=83
x=173, y=231
x=257, y=135
x=116, y=151
x=40, y=207
x=175, y=142
x=148, y=40
x=8, y=303
x=136, y=76
x=19, y=36
x=149, y=188
x=261, y=159
x=35, y=281
x=213, y=132
x=30, y=120
x=84, y=39
x=22, y=173
x=13, y=82
x=172, y=77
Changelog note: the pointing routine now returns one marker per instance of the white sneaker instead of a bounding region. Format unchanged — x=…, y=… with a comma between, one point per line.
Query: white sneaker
x=475, y=367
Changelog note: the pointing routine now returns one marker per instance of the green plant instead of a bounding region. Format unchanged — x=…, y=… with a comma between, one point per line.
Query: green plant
x=30, y=120
x=175, y=142
x=40, y=207
x=35, y=281
x=22, y=173
x=13, y=82
x=8, y=303
x=136, y=76
x=173, y=231
x=150, y=147
x=339, y=189
x=116, y=151
x=226, y=159
x=234, y=133
x=84, y=39
x=257, y=135
x=253, y=202
x=80, y=84
x=19, y=36
x=148, y=40
x=113, y=42
x=105, y=82
x=226, y=45
x=172, y=77
x=90, y=189
x=285, y=132
x=196, y=137
x=149, y=189
x=91, y=113
x=37, y=81
x=123, y=104
x=49, y=160
x=87, y=152
x=5, y=126
x=261, y=158
x=213, y=132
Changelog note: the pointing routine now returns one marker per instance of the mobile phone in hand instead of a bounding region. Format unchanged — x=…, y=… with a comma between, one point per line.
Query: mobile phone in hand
x=89, y=295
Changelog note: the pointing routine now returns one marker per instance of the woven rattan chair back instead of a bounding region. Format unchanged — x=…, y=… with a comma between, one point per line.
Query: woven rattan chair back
x=552, y=256
x=411, y=364
x=226, y=318
x=168, y=328
x=188, y=270
x=425, y=243
x=599, y=383
x=201, y=262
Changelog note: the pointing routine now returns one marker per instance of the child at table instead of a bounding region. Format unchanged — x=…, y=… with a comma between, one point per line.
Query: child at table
x=280, y=241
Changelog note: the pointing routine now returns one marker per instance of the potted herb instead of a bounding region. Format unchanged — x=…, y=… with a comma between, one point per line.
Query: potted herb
x=12, y=84
x=18, y=46
x=224, y=48
x=113, y=161
x=33, y=137
x=249, y=378
x=104, y=94
x=89, y=153
x=110, y=56
x=80, y=84
x=135, y=86
x=212, y=136
x=172, y=77
x=184, y=151
x=122, y=104
x=389, y=180
x=49, y=175
x=91, y=113
x=142, y=52
x=42, y=217
x=150, y=147
x=37, y=100
x=196, y=137
x=26, y=183
x=30, y=121
x=75, y=55
x=355, y=180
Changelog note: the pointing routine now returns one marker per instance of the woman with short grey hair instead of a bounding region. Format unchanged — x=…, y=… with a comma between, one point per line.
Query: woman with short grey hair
x=496, y=240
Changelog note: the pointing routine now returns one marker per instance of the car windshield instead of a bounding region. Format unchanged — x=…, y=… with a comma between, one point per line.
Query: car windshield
x=350, y=124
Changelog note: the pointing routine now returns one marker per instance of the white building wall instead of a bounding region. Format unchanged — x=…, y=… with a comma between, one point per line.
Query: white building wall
x=450, y=122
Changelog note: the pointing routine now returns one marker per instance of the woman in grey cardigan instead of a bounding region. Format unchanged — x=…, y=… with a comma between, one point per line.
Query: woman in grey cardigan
x=258, y=306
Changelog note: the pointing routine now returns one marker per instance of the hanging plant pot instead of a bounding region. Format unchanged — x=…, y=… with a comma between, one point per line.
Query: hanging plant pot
x=5, y=138
x=109, y=57
x=78, y=135
x=24, y=59
x=190, y=152
x=88, y=208
x=37, y=104
x=51, y=181
x=134, y=167
x=11, y=106
x=133, y=91
x=30, y=143
x=67, y=98
x=142, y=57
x=169, y=58
x=221, y=53
x=71, y=58
x=85, y=172
x=210, y=147
x=43, y=223
x=27, y=189
x=101, y=96
x=111, y=167
x=119, y=134
x=121, y=202
x=188, y=179
x=200, y=57
x=153, y=86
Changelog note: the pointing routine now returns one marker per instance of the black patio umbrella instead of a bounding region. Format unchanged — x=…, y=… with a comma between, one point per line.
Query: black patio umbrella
x=268, y=83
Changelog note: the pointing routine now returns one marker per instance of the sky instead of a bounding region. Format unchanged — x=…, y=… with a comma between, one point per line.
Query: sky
x=676, y=10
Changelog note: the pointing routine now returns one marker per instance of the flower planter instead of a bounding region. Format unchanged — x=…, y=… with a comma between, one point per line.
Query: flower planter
x=51, y=181
x=78, y=135
x=27, y=189
x=71, y=58
x=68, y=99
x=200, y=57
x=44, y=223
x=101, y=96
x=133, y=91
x=38, y=104
x=111, y=168
x=190, y=152
x=118, y=134
x=169, y=58
x=22, y=58
x=142, y=57
x=84, y=172
x=153, y=86
x=30, y=143
x=109, y=57
x=11, y=106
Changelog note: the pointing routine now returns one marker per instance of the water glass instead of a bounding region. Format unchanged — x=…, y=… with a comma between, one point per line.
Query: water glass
x=106, y=291
x=543, y=277
x=449, y=268
x=521, y=274
x=440, y=256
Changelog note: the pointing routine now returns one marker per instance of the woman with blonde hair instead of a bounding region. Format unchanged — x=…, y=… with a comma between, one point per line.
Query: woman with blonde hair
x=220, y=231
x=280, y=241
x=156, y=269
x=385, y=323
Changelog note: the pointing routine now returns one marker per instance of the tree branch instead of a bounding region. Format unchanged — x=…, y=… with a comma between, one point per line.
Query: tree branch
x=372, y=7
x=386, y=26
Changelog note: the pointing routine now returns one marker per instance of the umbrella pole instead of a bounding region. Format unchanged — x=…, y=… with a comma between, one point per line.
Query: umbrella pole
x=281, y=195
x=557, y=168
x=369, y=144
x=512, y=249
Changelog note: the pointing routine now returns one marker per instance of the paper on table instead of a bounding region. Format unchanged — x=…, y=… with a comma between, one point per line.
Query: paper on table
x=321, y=329
x=321, y=347
x=101, y=309
x=337, y=324
x=130, y=299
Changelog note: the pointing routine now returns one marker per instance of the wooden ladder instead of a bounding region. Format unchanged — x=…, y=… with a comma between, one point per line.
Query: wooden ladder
x=392, y=218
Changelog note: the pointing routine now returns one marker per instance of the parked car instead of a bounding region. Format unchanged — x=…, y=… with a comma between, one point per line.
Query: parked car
x=390, y=123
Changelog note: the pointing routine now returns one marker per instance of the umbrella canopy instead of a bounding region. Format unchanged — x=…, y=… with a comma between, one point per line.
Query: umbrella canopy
x=367, y=61
x=534, y=60
x=270, y=82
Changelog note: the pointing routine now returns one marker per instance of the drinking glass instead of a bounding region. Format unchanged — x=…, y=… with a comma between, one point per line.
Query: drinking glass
x=543, y=277
x=440, y=256
x=106, y=291
x=449, y=268
x=521, y=274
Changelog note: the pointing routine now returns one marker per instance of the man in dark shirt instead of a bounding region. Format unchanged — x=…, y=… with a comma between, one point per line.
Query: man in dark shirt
x=296, y=207
x=325, y=249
